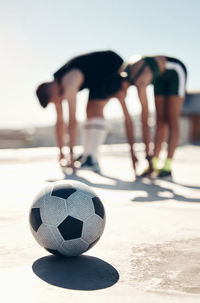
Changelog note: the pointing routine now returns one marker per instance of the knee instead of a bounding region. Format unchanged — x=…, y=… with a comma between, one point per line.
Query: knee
x=161, y=122
x=174, y=124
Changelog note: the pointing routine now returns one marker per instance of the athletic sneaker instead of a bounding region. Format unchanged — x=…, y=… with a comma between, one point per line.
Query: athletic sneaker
x=164, y=174
x=79, y=158
x=149, y=173
x=146, y=173
x=90, y=164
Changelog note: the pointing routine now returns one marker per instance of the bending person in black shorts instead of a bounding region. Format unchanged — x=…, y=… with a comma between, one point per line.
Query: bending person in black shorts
x=168, y=75
x=85, y=71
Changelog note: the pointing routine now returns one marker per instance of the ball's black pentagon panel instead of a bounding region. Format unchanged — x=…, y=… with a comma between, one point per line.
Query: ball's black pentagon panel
x=98, y=206
x=35, y=218
x=71, y=228
x=93, y=243
x=63, y=191
x=54, y=252
x=83, y=187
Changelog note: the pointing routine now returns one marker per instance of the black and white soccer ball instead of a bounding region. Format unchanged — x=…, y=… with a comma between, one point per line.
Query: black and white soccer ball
x=67, y=218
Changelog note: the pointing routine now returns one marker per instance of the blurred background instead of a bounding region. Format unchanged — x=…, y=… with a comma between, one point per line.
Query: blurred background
x=38, y=37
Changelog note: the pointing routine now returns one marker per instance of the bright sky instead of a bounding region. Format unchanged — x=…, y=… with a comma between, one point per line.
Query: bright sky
x=38, y=36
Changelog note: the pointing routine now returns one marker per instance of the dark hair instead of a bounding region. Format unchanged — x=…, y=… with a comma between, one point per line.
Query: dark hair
x=43, y=93
x=112, y=84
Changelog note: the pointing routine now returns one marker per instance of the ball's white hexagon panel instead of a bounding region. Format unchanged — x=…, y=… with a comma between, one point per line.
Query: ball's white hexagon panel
x=80, y=206
x=74, y=247
x=41, y=196
x=49, y=237
x=93, y=228
x=53, y=211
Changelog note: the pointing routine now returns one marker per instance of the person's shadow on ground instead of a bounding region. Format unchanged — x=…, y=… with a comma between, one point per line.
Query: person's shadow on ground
x=115, y=184
x=163, y=190
x=156, y=189
x=79, y=273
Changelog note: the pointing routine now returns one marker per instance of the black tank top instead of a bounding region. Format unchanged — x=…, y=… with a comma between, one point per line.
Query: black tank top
x=95, y=66
x=151, y=63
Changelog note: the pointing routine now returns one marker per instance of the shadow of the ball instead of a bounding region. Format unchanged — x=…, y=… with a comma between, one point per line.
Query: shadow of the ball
x=78, y=273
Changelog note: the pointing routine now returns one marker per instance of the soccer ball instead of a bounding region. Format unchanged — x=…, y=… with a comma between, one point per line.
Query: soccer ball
x=67, y=218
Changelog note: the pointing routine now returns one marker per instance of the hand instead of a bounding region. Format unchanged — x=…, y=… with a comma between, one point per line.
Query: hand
x=62, y=156
x=65, y=164
x=149, y=159
x=62, y=160
x=134, y=160
x=71, y=161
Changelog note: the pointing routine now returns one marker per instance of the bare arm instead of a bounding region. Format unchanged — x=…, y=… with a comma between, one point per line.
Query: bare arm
x=129, y=131
x=72, y=126
x=60, y=129
x=144, y=117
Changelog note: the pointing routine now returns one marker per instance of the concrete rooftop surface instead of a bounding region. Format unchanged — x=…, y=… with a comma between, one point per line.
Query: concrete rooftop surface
x=149, y=251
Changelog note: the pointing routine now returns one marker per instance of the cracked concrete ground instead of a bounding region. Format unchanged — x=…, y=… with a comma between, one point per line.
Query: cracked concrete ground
x=149, y=251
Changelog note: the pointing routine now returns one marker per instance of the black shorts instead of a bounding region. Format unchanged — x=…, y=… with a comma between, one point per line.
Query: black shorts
x=96, y=91
x=173, y=80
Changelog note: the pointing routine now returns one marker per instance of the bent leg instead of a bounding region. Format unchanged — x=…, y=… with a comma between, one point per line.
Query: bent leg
x=95, y=108
x=174, y=105
x=94, y=130
x=160, y=133
x=161, y=124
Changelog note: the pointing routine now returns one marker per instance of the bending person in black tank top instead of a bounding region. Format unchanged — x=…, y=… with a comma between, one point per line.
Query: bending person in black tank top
x=168, y=75
x=85, y=71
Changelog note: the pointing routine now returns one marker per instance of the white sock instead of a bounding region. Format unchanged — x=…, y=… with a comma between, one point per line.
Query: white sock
x=94, y=133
